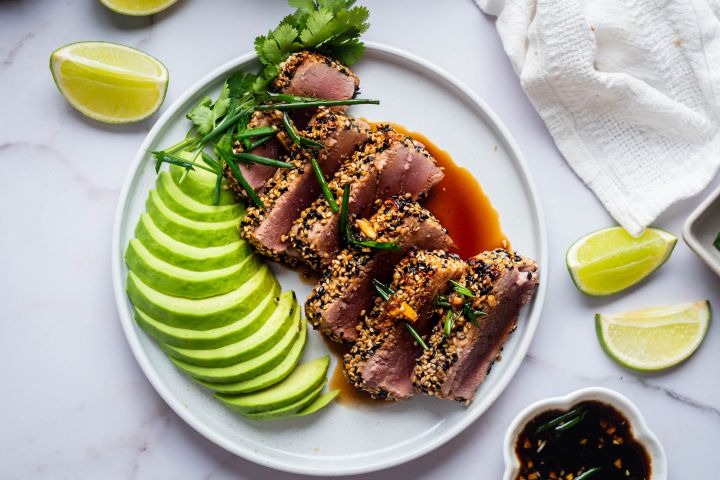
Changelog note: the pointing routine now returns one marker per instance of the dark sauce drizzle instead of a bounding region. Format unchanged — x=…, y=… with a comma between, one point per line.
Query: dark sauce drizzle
x=592, y=440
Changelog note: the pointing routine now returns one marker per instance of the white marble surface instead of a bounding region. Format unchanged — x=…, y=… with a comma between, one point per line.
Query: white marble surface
x=73, y=402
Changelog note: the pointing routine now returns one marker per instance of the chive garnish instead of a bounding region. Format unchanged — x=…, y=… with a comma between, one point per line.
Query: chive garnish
x=252, y=146
x=570, y=423
x=416, y=336
x=462, y=290
x=317, y=103
x=383, y=290
x=241, y=179
x=323, y=185
x=449, y=322
x=588, y=473
x=442, y=301
x=255, y=132
x=270, y=162
x=566, y=417
x=716, y=243
x=164, y=157
x=218, y=182
x=296, y=138
x=375, y=245
x=344, y=227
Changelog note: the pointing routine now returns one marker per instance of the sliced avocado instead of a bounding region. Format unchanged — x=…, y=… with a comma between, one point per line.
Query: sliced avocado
x=318, y=403
x=216, y=337
x=205, y=313
x=183, y=204
x=187, y=256
x=249, y=368
x=288, y=410
x=262, y=340
x=192, y=232
x=301, y=382
x=172, y=280
x=271, y=377
x=200, y=184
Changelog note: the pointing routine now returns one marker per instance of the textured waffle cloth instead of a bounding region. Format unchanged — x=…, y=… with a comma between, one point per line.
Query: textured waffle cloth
x=628, y=89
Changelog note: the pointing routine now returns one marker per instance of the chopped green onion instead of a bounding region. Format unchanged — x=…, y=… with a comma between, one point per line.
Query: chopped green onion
x=416, y=336
x=588, y=473
x=317, y=103
x=323, y=185
x=252, y=146
x=716, y=243
x=209, y=160
x=296, y=138
x=375, y=245
x=462, y=290
x=562, y=418
x=270, y=162
x=164, y=157
x=570, y=423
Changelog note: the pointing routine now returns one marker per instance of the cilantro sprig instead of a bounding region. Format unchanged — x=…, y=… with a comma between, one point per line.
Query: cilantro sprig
x=331, y=27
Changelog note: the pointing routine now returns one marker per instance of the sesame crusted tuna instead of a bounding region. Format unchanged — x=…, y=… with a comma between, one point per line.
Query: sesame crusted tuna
x=346, y=293
x=455, y=364
x=383, y=358
x=388, y=164
x=309, y=74
x=290, y=191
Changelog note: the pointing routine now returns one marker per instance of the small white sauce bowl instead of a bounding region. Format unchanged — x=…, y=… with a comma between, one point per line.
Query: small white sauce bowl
x=639, y=428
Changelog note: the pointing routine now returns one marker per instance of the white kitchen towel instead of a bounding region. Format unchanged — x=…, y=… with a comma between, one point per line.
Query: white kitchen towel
x=629, y=90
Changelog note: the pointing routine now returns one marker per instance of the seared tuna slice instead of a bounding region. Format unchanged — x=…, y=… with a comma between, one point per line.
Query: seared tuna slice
x=290, y=191
x=383, y=359
x=346, y=292
x=309, y=74
x=388, y=164
x=258, y=175
x=456, y=364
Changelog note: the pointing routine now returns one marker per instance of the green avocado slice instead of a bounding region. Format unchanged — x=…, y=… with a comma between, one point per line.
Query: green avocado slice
x=302, y=381
x=172, y=280
x=200, y=184
x=187, y=256
x=216, y=337
x=183, y=204
x=248, y=368
x=318, y=403
x=205, y=313
x=271, y=377
x=262, y=340
x=288, y=410
x=192, y=232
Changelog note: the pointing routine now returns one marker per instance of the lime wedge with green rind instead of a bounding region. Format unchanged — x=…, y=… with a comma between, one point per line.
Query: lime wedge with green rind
x=654, y=338
x=611, y=260
x=137, y=8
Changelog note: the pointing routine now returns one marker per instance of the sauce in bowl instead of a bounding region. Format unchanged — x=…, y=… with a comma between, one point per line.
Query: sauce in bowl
x=592, y=440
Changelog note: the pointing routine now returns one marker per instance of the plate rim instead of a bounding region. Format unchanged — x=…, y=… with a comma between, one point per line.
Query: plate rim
x=210, y=434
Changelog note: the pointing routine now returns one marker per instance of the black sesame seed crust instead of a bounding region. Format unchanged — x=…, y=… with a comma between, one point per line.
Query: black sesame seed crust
x=320, y=217
x=290, y=66
x=483, y=270
x=392, y=222
x=322, y=128
x=411, y=281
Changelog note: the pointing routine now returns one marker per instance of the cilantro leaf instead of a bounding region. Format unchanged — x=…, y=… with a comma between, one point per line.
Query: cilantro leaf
x=201, y=115
x=304, y=6
x=221, y=104
x=320, y=27
x=278, y=45
x=349, y=52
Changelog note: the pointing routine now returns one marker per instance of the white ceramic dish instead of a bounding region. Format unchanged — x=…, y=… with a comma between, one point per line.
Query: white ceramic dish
x=640, y=430
x=701, y=228
x=342, y=440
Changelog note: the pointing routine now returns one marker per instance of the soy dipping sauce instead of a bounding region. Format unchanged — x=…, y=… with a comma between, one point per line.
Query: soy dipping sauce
x=592, y=440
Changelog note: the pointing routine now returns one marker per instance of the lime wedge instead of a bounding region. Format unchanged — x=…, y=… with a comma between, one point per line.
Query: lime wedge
x=610, y=260
x=654, y=338
x=137, y=8
x=109, y=82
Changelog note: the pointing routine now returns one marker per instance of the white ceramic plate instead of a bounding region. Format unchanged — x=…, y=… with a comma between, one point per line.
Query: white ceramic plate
x=343, y=440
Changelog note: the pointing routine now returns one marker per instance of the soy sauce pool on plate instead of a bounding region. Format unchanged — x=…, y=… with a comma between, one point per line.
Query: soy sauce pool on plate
x=592, y=440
